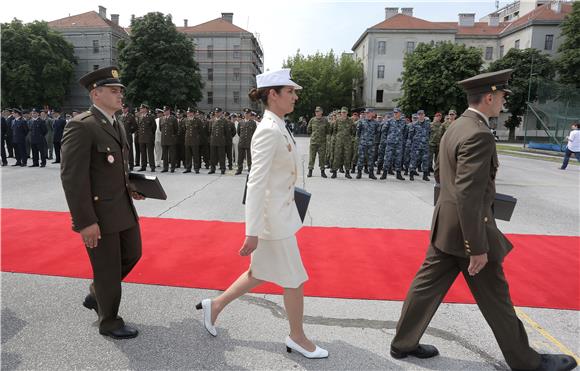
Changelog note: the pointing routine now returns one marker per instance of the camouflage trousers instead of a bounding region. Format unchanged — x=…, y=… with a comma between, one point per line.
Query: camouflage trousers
x=329, y=149
x=393, y=156
x=320, y=149
x=419, y=155
x=434, y=152
x=366, y=152
x=342, y=154
x=354, y=151
x=406, y=155
x=381, y=154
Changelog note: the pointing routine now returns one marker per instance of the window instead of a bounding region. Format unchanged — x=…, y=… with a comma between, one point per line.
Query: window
x=236, y=52
x=379, y=96
x=210, y=97
x=410, y=47
x=236, y=97
x=95, y=67
x=489, y=53
x=236, y=74
x=501, y=51
x=96, y=47
x=381, y=71
x=210, y=74
x=382, y=48
x=549, y=43
x=517, y=44
x=209, y=51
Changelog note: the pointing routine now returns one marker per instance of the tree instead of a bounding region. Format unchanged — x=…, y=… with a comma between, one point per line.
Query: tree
x=157, y=64
x=568, y=63
x=524, y=62
x=37, y=65
x=430, y=76
x=327, y=81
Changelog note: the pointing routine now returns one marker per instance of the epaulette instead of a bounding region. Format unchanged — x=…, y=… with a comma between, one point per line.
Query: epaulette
x=83, y=116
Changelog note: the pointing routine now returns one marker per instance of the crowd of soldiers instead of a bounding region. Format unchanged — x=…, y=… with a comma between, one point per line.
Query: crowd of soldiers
x=393, y=144
x=32, y=134
x=188, y=138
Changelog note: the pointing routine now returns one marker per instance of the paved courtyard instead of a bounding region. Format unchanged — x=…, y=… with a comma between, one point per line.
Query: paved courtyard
x=44, y=326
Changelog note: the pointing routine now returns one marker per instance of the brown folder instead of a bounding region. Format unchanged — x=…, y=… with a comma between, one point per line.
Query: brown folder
x=147, y=185
x=503, y=205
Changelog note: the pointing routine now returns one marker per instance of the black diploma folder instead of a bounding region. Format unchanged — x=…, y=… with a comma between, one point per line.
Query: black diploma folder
x=503, y=205
x=301, y=198
x=147, y=185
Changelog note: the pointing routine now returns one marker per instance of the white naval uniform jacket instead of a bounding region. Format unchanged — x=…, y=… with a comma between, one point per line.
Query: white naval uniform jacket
x=271, y=212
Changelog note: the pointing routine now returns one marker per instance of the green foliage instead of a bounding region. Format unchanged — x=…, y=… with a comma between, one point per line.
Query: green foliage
x=523, y=62
x=37, y=65
x=568, y=63
x=430, y=76
x=157, y=64
x=327, y=81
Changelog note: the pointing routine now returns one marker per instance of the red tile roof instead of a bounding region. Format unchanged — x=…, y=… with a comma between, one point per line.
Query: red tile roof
x=216, y=25
x=404, y=22
x=541, y=13
x=85, y=20
x=478, y=29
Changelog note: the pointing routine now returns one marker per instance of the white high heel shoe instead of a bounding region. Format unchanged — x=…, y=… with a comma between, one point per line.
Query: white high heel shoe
x=206, y=306
x=317, y=353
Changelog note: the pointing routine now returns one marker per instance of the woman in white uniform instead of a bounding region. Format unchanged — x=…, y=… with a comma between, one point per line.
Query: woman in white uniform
x=272, y=218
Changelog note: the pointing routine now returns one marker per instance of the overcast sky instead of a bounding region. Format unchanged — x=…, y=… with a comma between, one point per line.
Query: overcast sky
x=282, y=29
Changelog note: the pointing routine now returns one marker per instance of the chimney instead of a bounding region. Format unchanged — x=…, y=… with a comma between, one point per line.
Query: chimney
x=103, y=12
x=132, y=18
x=390, y=12
x=185, y=23
x=407, y=11
x=493, y=20
x=115, y=19
x=466, y=19
x=556, y=6
x=229, y=17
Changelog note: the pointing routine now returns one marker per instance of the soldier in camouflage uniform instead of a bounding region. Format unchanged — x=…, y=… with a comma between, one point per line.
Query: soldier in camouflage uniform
x=383, y=141
x=420, y=146
x=354, y=117
x=146, y=128
x=343, y=133
x=435, y=138
x=395, y=131
x=366, y=130
x=452, y=116
x=408, y=143
x=246, y=129
x=191, y=127
x=219, y=132
x=169, y=129
x=330, y=139
x=317, y=129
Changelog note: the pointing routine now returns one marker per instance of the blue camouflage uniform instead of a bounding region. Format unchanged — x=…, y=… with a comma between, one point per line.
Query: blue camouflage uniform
x=396, y=132
x=382, y=140
x=366, y=131
x=420, y=145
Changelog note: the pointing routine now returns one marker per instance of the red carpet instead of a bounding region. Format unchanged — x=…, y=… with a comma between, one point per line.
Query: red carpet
x=543, y=271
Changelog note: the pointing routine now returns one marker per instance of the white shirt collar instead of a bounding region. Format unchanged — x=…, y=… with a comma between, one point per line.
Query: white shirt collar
x=481, y=114
x=274, y=117
x=110, y=118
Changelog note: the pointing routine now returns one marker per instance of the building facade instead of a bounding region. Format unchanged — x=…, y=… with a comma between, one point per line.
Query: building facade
x=382, y=47
x=95, y=39
x=229, y=59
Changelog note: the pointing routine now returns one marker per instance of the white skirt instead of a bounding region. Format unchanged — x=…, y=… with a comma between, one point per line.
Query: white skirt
x=279, y=262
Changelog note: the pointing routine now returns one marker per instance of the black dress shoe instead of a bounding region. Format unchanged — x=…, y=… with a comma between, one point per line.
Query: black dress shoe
x=164, y=171
x=212, y=171
x=32, y=165
x=58, y=162
x=91, y=303
x=123, y=332
x=142, y=169
x=187, y=171
x=555, y=362
x=422, y=351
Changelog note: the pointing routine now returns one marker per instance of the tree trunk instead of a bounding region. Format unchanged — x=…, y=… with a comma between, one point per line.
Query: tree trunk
x=512, y=134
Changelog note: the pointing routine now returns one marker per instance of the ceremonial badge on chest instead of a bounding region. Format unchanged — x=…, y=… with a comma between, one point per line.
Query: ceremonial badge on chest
x=111, y=159
x=289, y=148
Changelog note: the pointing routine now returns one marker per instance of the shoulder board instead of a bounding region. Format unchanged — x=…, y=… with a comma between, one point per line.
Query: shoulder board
x=83, y=116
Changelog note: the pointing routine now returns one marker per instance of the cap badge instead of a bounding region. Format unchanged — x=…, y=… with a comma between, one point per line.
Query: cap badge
x=115, y=74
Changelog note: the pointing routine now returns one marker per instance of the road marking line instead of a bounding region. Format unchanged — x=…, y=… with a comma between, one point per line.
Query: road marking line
x=546, y=334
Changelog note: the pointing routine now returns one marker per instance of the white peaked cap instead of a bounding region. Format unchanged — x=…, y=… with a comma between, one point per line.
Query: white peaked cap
x=276, y=78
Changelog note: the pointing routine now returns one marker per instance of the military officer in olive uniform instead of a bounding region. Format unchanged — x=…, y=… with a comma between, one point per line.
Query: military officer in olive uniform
x=146, y=128
x=129, y=125
x=95, y=178
x=204, y=140
x=230, y=134
x=191, y=132
x=435, y=137
x=169, y=129
x=344, y=130
x=246, y=129
x=219, y=132
x=317, y=128
x=465, y=238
